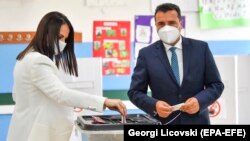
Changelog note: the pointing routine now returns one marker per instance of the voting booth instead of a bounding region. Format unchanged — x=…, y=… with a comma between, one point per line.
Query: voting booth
x=243, y=89
x=89, y=76
x=224, y=110
x=232, y=106
x=89, y=80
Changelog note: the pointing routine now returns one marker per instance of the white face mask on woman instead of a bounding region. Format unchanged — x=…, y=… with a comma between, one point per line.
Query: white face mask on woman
x=168, y=34
x=62, y=45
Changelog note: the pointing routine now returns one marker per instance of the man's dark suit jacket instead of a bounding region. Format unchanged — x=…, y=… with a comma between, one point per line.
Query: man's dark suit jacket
x=201, y=79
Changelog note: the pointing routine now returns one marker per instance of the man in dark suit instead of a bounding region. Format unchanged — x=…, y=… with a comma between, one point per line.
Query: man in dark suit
x=177, y=70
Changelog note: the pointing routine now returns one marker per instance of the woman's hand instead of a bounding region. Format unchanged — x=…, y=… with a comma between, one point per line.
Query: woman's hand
x=117, y=105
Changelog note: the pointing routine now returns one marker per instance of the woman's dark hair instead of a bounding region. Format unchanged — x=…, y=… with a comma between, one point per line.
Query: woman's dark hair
x=47, y=37
x=167, y=7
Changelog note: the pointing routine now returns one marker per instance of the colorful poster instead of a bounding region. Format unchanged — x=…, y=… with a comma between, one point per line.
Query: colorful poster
x=111, y=41
x=224, y=13
x=146, y=33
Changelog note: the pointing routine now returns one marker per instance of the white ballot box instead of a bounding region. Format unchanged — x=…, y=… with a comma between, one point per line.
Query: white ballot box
x=111, y=135
x=112, y=128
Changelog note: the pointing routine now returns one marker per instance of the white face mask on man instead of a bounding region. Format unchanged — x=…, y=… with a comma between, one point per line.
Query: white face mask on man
x=62, y=45
x=168, y=34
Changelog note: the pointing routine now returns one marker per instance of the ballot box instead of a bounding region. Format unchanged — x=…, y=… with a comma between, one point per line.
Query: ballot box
x=109, y=127
x=112, y=122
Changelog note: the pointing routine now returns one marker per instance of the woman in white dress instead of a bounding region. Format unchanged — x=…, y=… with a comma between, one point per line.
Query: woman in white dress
x=43, y=105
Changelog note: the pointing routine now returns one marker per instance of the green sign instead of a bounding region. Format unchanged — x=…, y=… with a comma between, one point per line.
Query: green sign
x=224, y=13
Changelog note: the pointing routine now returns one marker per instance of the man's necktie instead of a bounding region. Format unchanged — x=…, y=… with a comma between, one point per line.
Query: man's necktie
x=174, y=64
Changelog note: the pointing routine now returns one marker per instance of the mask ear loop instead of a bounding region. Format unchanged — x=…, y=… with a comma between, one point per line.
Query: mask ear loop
x=173, y=119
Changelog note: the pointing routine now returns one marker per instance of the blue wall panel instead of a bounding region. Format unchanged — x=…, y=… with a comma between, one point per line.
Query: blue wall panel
x=230, y=47
x=8, y=54
x=4, y=126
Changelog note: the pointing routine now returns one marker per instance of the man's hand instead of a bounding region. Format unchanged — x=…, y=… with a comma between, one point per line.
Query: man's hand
x=191, y=106
x=117, y=105
x=163, y=109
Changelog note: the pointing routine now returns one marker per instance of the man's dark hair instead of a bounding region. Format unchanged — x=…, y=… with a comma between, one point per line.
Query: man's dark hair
x=168, y=7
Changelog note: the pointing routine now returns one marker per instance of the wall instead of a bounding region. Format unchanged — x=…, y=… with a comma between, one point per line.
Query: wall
x=24, y=15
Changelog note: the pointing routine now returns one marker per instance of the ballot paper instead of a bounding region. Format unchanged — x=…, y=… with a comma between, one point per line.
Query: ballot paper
x=123, y=119
x=177, y=106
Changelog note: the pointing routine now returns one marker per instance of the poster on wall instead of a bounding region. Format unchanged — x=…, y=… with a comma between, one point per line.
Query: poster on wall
x=146, y=33
x=111, y=41
x=224, y=13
